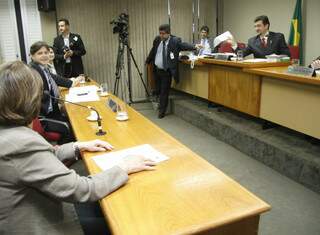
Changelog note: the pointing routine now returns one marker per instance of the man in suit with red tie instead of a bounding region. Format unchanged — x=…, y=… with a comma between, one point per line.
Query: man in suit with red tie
x=266, y=42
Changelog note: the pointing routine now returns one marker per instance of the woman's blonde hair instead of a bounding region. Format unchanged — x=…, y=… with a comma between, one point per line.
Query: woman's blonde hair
x=20, y=94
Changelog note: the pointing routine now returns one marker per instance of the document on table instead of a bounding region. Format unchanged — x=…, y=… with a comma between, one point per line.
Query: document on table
x=82, y=94
x=222, y=37
x=256, y=60
x=108, y=160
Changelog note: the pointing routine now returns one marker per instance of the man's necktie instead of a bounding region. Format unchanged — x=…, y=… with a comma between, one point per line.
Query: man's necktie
x=264, y=42
x=164, y=56
x=52, y=84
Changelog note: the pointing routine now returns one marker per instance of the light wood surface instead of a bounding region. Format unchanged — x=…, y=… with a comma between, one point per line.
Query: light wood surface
x=231, y=87
x=228, y=83
x=193, y=81
x=243, y=64
x=281, y=73
x=291, y=104
x=185, y=195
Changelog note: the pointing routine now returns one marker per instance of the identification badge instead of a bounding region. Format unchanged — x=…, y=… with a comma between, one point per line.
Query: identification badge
x=171, y=55
x=75, y=38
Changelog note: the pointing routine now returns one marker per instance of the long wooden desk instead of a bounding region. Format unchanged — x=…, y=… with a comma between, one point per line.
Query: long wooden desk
x=225, y=83
x=290, y=100
x=185, y=195
x=193, y=81
x=263, y=90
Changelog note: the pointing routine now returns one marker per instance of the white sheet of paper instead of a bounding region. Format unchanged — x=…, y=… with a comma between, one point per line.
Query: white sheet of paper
x=257, y=60
x=83, y=89
x=82, y=98
x=82, y=94
x=221, y=38
x=108, y=160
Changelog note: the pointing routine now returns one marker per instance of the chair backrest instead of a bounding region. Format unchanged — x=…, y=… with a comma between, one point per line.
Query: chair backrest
x=226, y=47
x=36, y=126
x=49, y=136
x=294, y=51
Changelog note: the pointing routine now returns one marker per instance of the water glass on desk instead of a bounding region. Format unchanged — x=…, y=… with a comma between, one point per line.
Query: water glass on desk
x=104, y=89
x=239, y=55
x=82, y=78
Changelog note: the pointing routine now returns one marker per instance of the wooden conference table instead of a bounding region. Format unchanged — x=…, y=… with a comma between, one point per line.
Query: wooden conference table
x=185, y=195
x=226, y=83
x=262, y=89
x=290, y=100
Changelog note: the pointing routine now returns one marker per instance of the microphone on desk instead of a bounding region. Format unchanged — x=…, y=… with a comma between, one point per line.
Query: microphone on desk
x=100, y=130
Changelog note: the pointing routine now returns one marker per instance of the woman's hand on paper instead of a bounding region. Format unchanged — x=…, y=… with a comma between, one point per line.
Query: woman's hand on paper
x=135, y=163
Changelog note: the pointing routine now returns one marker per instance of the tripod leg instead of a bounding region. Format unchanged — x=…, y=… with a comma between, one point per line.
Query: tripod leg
x=119, y=67
x=139, y=72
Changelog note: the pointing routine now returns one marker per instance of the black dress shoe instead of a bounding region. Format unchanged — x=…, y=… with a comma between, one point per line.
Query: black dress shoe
x=161, y=115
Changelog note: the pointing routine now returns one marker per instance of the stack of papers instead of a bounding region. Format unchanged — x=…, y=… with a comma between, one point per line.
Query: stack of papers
x=109, y=160
x=257, y=60
x=222, y=37
x=82, y=94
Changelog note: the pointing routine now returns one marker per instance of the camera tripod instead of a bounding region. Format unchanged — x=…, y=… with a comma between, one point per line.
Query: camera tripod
x=124, y=44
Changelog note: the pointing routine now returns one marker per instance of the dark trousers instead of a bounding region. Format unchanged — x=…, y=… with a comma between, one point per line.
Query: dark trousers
x=163, y=83
x=70, y=71
x=91, y=218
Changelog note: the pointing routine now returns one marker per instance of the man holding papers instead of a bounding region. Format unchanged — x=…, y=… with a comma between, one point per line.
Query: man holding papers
x=205, y=41
x=266, y=42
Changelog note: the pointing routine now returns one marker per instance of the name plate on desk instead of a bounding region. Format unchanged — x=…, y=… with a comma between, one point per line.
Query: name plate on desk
x=112, y=104
x=221, y=56
x=301, y=70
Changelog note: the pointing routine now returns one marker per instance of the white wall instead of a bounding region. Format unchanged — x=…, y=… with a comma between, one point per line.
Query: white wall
x=238, y=18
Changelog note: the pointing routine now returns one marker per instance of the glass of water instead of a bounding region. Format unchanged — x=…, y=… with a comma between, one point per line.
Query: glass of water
x=239, y=55
x=104, y=89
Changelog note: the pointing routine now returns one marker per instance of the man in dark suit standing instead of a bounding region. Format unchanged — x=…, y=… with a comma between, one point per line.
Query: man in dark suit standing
x=266, y=42
x=68, y=48
x=164, y=55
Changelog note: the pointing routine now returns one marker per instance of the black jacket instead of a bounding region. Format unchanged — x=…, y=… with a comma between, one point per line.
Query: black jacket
x=175, y=45
x=77, y=46
x=276, y=44
x=63, y=82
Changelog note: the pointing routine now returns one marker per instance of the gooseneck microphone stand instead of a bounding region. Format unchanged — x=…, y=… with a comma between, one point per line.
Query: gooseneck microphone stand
x=100, y=131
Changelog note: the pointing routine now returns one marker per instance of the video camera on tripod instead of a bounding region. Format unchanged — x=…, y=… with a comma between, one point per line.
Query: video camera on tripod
x=121, y=26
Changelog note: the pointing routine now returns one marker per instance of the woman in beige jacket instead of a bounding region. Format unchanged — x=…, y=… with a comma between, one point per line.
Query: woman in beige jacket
x=34, y=184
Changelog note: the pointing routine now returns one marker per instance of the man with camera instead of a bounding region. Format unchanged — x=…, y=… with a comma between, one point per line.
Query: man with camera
x=69, y=49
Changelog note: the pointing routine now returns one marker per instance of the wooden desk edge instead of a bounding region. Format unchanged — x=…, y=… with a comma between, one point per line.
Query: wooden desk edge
x=244, y=64
x=196, y=63
x=284, y=76
x=195, y=229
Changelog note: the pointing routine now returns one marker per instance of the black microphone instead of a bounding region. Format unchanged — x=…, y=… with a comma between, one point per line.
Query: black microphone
x=100, y=130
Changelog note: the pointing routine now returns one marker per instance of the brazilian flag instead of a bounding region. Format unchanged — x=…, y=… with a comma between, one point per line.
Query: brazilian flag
x=295, y=36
